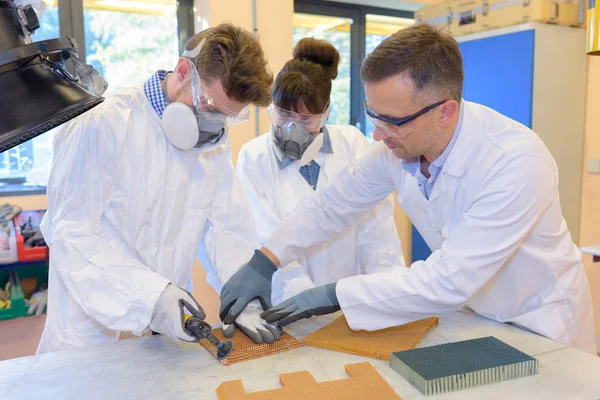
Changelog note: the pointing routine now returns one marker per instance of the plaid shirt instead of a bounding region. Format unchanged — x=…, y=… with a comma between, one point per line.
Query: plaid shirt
x=154, y=92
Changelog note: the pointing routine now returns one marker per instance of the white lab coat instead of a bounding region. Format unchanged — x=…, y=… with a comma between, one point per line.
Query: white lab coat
x=493, y=221
x=371, y=245
x=126, y=214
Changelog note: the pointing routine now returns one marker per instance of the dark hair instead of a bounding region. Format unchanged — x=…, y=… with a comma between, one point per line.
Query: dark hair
x=307, y=77
x=429, y=57
x=236, y=58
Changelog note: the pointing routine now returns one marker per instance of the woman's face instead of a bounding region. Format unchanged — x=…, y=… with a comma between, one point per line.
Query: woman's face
x=303, y=117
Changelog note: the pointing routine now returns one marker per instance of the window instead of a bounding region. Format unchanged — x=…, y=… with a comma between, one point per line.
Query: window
x=337, y=31
x=125, y=40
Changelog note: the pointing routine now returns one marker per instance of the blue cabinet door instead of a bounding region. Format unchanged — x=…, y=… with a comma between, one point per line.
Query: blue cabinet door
x=498, y=74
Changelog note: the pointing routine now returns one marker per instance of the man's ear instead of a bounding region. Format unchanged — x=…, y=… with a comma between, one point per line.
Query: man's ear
x=449, y=110
x=182, y=69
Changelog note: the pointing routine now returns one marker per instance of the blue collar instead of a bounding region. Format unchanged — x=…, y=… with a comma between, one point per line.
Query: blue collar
x=325, y=148
x=154, y=92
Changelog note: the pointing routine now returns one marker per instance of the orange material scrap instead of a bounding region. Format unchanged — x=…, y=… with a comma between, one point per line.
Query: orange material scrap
x=379, y=344
x=364, y=383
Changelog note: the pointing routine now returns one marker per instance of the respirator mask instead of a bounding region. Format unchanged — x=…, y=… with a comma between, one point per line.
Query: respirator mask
x=297, y=136
x=203, y=124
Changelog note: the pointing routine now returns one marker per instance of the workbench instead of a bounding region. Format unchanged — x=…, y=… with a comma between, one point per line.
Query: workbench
x=158, y=368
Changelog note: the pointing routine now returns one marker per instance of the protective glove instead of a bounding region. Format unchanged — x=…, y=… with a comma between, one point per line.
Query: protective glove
x=253, y=325
x=252, y=281
x=317, y=301
x=38, y=302
x=167, y=317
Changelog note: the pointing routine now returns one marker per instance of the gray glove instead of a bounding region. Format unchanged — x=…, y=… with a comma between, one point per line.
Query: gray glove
x=252, y=281
x=317, y=301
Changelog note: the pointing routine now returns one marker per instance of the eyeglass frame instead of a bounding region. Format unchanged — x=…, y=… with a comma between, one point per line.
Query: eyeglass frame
x=397, y=122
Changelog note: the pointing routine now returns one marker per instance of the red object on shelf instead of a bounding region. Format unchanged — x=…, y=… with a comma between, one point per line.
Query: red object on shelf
x=26, y=254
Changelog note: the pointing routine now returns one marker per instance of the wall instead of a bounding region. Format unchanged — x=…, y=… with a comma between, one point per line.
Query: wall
x=589, y=233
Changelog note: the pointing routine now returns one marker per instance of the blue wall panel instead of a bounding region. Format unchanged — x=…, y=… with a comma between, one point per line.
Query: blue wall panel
x=499, y=73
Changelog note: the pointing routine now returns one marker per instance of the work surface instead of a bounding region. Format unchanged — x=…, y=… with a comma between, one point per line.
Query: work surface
x=158, y=368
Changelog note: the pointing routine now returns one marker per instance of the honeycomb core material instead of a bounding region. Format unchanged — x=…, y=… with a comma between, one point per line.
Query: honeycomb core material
x=461, y=365
x=379, y=344
x=364, y=383
x=244, y=349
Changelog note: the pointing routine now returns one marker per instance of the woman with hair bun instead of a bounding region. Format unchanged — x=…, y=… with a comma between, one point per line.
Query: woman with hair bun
x=299, y=155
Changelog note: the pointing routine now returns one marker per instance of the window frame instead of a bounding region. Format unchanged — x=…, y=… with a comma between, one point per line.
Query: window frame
x=358, y=43
x=70, y=16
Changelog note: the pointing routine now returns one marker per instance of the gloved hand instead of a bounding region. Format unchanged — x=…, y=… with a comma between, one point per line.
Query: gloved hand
x=252, y=281
x=38, y=302
x=253, y=325
x=317, y=301
x=167, y=317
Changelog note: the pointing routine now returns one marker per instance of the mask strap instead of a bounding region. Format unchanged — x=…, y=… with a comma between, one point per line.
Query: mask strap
x=164, y=88
x=195, y=51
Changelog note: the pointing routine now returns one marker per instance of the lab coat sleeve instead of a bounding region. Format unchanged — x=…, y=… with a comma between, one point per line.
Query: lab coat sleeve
x=103, y=276
x=377, y=242
x=267, y=221
x=506, y=208
x=378, y=245
x=334, y=208
x=230, y=236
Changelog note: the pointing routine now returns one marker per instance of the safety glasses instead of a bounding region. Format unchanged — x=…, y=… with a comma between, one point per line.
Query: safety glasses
x=391, y=125
x=310, y=122
x=209, y=108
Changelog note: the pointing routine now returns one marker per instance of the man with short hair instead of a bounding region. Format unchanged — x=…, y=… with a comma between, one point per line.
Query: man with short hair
x=138, y=182
x=481, y=189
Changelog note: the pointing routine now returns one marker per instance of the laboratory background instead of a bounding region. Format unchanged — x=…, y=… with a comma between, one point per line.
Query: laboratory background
x=535, y=66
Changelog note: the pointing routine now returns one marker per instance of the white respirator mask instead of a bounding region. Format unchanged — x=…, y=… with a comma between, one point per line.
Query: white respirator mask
x=206, y=122
x=297, y=136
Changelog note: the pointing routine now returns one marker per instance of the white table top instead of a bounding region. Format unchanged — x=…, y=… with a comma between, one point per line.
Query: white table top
x=595, y=250
x=158, y=368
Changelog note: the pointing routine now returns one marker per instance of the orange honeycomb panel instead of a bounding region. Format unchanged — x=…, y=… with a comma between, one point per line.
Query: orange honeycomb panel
x=364, y=383
x=245, y=349
x=380, y=344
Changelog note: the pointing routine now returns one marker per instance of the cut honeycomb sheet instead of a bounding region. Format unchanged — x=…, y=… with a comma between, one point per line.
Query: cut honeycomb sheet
x=245, y=349
x=364, y=383
x=380, y=344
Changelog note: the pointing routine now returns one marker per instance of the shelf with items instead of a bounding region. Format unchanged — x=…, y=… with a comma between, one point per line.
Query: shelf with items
x=30, y=242
x=12, y=300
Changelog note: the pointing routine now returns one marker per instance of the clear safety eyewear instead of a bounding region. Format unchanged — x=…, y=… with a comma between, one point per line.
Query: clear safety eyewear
x=311, y=122
x=209, y=108
x=392, y=125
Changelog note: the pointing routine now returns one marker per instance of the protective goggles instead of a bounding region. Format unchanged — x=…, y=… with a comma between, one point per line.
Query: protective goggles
x=311, y=122
x=203, y=102
x=391, y=125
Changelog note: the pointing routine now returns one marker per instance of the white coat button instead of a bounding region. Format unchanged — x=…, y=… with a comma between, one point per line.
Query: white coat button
x=439, y=232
